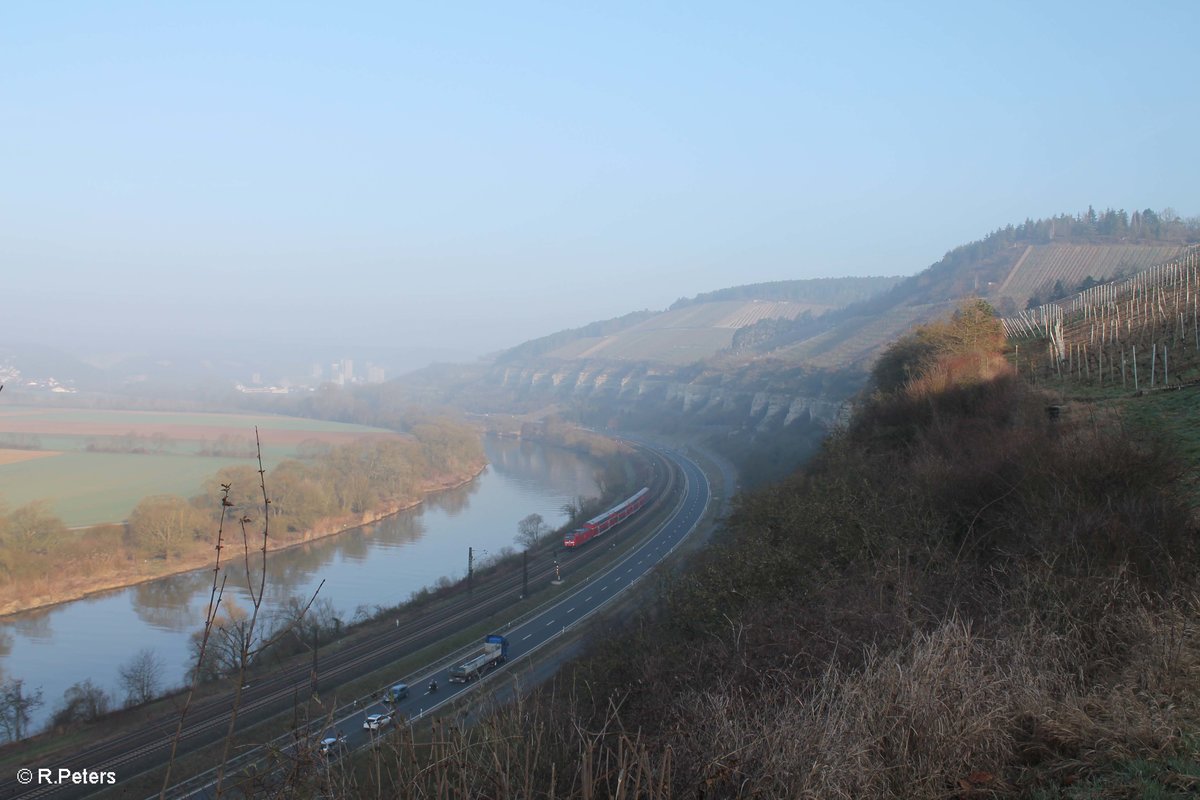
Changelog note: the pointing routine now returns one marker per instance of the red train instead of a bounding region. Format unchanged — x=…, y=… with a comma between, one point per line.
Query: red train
x=598, y=525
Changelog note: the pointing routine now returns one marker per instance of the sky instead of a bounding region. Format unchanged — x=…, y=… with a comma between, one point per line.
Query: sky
x=469, y=176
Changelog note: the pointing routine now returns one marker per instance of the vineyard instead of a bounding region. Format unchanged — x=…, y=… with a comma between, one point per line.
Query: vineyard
x=683, y=335
x=859, y=340
x=750, y=313
x=1137, y=334
x=1042, y=265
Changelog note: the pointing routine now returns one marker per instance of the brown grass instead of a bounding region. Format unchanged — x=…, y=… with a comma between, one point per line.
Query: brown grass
x=17, y=456
x=278, y=436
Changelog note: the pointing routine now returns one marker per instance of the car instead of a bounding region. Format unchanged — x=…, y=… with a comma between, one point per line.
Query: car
x=376, y=721
x=331, y=743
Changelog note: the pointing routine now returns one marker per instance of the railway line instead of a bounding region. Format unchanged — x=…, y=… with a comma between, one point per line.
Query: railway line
x=148, y=747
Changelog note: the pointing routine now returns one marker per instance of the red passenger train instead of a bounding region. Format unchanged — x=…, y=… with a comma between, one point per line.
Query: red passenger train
x=598, y=525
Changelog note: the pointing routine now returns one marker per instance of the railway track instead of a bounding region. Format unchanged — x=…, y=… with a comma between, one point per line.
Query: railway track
x=148, y=747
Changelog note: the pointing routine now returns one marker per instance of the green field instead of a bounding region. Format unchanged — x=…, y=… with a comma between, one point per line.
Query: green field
x=87, y=488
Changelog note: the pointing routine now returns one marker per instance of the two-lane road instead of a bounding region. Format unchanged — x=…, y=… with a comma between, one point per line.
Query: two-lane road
x=530, y=634
x=524, y=635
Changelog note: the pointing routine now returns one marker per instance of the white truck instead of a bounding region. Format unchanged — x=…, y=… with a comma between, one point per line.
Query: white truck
x=493, y=653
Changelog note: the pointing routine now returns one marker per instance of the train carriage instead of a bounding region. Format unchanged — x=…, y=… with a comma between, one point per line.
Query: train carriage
x=599, y=524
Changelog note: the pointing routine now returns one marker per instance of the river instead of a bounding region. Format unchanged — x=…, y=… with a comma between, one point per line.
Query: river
x=377, y=565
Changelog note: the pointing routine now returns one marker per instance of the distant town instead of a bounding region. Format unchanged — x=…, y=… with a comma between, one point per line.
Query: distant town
x=341, y=373
x=33, y=379
x=11, y=376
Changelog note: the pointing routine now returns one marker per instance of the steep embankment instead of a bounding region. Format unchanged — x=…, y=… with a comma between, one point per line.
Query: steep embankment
x=960, y=597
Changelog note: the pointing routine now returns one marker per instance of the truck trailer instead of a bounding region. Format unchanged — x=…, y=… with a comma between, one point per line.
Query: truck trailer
x=493, y=653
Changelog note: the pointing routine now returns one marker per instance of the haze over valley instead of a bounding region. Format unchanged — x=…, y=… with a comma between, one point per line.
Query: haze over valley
x=576, y=401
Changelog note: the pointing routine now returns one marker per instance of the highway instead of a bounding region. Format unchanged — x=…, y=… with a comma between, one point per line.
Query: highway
x=587, y=599
x=525, y=636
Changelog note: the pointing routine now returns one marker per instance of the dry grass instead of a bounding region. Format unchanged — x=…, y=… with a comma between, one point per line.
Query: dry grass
x=17, y=456
x=948, y=712
x=959, y=599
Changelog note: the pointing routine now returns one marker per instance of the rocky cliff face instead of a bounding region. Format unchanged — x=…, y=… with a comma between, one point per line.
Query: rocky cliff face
x=758, y=397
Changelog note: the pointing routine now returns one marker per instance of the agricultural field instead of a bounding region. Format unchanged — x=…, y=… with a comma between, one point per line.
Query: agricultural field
x=95, y=466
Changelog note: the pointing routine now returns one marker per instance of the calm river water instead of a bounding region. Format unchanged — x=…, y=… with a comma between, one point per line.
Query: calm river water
x=381, y=564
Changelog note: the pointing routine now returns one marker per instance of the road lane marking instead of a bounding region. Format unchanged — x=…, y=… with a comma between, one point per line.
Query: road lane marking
x=548, y=624
x=526, y=636
x=570, y=610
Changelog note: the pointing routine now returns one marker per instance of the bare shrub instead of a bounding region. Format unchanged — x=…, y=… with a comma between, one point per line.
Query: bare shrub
x=141, y=677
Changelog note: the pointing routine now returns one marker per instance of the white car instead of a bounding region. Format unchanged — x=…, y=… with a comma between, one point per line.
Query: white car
x=331, y=743
x=376, y=721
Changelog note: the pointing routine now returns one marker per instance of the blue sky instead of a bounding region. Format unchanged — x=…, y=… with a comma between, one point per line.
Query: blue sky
x=478, y=174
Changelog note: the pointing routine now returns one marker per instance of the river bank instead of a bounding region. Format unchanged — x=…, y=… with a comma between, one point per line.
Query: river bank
x=44, y=593
x=359, y=571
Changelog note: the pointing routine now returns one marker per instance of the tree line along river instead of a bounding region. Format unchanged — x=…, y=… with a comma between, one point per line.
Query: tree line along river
x=378, y=565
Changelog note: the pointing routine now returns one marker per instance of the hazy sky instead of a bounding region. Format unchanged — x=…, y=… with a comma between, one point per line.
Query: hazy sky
x=475, y=175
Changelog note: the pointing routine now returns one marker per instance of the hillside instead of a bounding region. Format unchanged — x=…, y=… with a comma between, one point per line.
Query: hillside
x=1041, y=266
x=845, y=324
x=962, y=596
x=1001, y=269
x=762, y=370
x=684, y=335
x=697, y=328
x=1092, y=338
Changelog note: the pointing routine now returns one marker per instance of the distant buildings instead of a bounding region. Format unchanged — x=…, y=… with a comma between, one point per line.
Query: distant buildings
x=342, y=373
x=261, y=389
x=12, y=377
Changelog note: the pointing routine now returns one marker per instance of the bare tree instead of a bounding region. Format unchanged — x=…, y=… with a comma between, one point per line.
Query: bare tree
x=140, y=677
x=82, y=702
x=572, y=508
x=34, y=526
x=163, y=522
x=228, y=646
x=530, y=531
x=16, y=707
x=231, y=638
